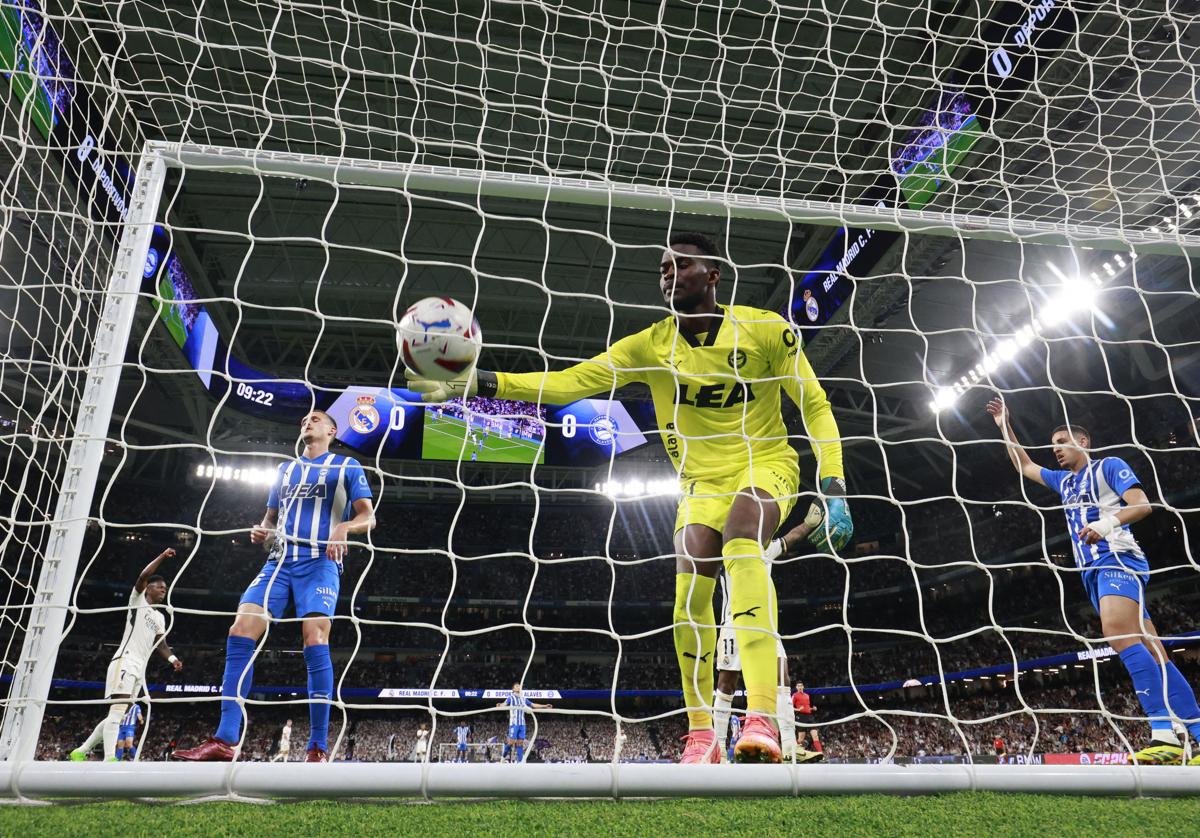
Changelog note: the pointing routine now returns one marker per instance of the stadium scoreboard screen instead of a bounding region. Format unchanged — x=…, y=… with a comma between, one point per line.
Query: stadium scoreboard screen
x=391, y=422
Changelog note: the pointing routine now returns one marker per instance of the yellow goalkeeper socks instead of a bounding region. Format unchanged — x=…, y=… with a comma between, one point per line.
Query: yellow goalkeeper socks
x=695, y=643
x=753, y=604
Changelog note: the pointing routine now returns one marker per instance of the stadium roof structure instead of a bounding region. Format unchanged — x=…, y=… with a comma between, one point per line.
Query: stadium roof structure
x=800, y=101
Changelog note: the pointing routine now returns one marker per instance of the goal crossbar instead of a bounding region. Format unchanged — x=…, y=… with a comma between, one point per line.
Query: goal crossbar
x=343, y=171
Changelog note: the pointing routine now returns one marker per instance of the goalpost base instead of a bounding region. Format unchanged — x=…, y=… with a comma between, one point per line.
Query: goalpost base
x=255, y=781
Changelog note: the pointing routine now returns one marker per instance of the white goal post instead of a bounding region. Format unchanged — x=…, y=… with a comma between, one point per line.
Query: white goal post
x=24, y=777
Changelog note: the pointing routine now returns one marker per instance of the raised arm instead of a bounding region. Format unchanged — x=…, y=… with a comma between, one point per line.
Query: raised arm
x=150, y=569
x=1020, y=459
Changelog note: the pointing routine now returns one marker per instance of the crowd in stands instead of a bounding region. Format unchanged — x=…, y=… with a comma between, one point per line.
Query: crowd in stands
x=1044, y=717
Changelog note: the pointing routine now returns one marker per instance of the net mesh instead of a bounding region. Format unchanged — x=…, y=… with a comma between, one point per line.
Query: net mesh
x=510, y=551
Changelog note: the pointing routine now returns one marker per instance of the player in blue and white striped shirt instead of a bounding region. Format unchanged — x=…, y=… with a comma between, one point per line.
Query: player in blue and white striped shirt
x=462, y=735
x=317, y=502
x=127, y=732
x=516, y=702
x=1101, y=498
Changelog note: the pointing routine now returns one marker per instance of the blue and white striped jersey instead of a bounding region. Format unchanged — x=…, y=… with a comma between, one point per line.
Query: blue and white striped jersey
x=132, y=716
x=517, y=704
x=462, y=733
x=1090, y=495
x=312, y=497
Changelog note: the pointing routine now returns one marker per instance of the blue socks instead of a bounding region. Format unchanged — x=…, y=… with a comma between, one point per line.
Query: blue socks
x=1148, y=684
x=1182, y=699
x=120, y=754
x=130, y=752
x=520, y=753
x=320, y=689
x=239, y=656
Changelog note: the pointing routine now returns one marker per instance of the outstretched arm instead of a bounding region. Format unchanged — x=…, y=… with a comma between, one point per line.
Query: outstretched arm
x=604, y=373
x=1020, y=459
x=150, y=569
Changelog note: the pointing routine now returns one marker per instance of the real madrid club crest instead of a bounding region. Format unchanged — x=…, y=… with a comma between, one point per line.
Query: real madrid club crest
x=812, y=309
x=364, y=416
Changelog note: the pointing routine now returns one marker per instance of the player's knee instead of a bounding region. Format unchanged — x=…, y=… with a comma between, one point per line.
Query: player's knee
x=249, y=626
x=315, y=630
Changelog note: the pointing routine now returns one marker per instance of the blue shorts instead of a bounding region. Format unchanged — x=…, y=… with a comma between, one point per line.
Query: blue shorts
x=462, y=746
x=1111, y=579
x=126, y=733
x=516, y=732
x=311, y=585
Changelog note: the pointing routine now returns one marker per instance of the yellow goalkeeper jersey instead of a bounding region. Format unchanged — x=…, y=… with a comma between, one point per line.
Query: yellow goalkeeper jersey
x=716, y=394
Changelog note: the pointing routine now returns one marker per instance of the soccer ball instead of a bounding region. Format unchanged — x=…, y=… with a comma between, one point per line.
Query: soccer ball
x=438, y=338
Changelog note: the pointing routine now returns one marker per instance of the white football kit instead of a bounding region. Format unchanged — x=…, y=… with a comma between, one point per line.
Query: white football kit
x=728, y=657
x=285, y=745
x=144, y=626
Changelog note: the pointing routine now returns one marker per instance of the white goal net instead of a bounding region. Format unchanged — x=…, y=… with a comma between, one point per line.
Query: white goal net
x=213, y=220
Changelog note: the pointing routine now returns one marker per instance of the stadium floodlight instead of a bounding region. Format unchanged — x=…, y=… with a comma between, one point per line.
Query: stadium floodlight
x=252, y=475
x=638, y=488
x=944, y=399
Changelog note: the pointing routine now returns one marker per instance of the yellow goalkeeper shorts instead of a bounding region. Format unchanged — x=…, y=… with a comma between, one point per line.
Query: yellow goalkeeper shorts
x=707, y=502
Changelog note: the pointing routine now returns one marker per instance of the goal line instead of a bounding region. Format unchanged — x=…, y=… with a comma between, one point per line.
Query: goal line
x=613, y=780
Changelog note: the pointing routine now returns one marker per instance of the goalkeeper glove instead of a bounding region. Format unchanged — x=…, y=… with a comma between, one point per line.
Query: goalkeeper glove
x=443, y=391
x=836, y=526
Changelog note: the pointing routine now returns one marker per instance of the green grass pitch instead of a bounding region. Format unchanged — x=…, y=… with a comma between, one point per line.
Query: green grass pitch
x=442, y=439
x=966, y=813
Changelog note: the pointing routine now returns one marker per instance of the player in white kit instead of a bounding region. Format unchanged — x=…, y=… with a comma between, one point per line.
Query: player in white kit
x=421, y=746
x=145, y=628
x=285, y=743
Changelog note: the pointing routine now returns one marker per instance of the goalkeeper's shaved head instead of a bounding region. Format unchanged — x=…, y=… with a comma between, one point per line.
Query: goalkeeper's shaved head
x=702, y=243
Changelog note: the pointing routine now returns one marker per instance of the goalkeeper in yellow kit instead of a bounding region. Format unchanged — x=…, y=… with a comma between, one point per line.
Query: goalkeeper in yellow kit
x=715, y=373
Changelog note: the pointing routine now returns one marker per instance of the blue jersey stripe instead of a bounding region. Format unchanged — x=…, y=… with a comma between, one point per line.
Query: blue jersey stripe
x=312, y=497
x=518, y=703
x=1087, y=497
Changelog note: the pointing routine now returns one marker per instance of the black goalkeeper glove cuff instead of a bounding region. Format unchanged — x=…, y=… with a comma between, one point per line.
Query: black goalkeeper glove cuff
x=487, y=383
